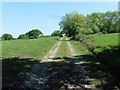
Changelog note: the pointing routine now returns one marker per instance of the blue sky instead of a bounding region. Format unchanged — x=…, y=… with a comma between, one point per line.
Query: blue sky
x=21, y=17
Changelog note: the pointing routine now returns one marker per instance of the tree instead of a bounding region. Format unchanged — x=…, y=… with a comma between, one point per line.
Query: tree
x=103, y=22
x=23, y=36
x=112, y=19
x=35, y=33
x=7, y=36
x=56, y=33
x=72, y=24
x=95, y=22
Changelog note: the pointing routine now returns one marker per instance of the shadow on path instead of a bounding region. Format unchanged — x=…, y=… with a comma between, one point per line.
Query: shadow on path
x=14, y=70
x=65, y=74
x=30, y=74
x=105, y=67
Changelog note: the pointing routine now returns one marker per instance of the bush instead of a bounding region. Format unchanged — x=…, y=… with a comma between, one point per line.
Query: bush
x=35, y=33
x=7, y=37
x=23, y=36
x=56, y=33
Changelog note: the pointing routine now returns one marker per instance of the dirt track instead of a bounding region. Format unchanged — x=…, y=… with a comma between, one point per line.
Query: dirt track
x=52, y=53
x=51, y=74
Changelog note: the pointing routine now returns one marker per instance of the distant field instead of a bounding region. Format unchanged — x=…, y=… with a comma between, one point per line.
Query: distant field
x=32, y=48
x=105, y=41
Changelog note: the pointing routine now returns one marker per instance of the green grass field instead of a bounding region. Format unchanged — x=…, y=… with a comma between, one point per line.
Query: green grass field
x=32, y=48
x=104, y=41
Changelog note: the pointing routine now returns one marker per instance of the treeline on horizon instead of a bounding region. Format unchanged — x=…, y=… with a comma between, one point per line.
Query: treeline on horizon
x=75, y=24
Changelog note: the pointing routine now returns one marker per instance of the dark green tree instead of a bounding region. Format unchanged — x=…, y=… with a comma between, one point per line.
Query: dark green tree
x=56, y=33
x=23, y=36
x=7, y=36
x=35, y=33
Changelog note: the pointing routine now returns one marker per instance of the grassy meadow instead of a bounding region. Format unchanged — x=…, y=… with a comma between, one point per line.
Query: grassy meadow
x=31, y=48
x=104, y=41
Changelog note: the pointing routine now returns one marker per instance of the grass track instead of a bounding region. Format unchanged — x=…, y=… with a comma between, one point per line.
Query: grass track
x=63, y=50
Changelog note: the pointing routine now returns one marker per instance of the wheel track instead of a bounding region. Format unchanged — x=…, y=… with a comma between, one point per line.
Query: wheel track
x=37, y=77
x=80, y=67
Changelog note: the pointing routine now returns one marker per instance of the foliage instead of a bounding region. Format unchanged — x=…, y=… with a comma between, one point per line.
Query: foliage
x=103, y=22
x=7, y=37
x=23, y=36
x=56, y=33
x=35, y=33
x=73, y=23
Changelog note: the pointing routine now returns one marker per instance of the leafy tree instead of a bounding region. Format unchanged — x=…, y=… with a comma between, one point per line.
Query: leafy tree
x=95, y=28
x=94, y=22
x=7, y=37
x=35, y=33
x=72, y=24
x=23, y=36
x=103, y=22
x=56, y=33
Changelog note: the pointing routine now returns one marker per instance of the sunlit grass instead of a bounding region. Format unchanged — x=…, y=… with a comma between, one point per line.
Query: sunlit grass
x=105, y=41
x=80, y=49
x=31, y=48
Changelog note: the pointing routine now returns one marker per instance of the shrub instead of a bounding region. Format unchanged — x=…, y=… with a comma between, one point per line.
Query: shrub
x=7, y=37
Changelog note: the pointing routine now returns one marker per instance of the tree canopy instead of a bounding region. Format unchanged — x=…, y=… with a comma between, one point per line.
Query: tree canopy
x=56, y=33
x=23, y=36
x=103, y=22
x=73, y=23
x=35, y=33
x=7, y=36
